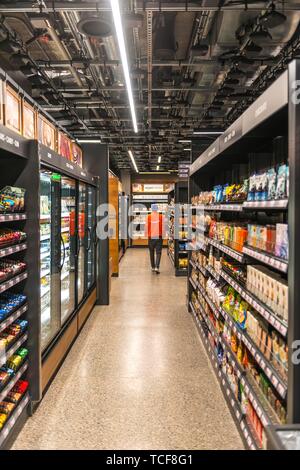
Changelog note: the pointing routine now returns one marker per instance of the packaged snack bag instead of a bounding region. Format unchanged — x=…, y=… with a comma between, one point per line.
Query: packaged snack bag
x=272, y=180
x=281, y=187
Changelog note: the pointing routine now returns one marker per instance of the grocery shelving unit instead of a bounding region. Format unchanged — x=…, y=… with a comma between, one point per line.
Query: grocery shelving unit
x=178, y=228
x=265, y=136
x=19, y=168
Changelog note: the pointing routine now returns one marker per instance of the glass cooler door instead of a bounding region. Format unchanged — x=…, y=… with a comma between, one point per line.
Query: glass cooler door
x=81, y=240
x=90, y=230
x=68, y=246
x=49, y=287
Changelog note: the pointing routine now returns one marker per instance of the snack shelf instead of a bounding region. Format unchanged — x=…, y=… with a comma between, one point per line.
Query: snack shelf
x=277, y=204
x=198, y=266
x=45, y=217
x=213, y=273
x=13, y=381
x=13, y=281
x=12, y=217
x=278, y=383
x=183, y=251
x=229, y=251
x=193, y=283
x=268, y=416
x=12, y=317
x=64, y=215
x=4, y=355
x=267, y=259
x=9, y=250
x=65, y=229
x=234, y=406
x=10, y=423
x=265, y=311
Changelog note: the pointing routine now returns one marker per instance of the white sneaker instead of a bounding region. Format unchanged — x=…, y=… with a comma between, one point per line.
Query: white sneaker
x=157, y=270
x=153, y=270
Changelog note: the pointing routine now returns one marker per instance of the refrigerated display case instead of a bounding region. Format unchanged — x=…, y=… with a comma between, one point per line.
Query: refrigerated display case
x=67, y=249
x=90, y=222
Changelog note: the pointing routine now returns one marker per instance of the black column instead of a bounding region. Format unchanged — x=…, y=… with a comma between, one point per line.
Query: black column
x=294, y=245
x=96, y=162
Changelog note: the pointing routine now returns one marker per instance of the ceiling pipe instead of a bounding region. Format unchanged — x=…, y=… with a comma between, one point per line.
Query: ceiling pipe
x=116, y=63
x=55, y=7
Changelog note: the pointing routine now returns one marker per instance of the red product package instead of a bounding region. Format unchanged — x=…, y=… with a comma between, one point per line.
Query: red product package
x=20, y=387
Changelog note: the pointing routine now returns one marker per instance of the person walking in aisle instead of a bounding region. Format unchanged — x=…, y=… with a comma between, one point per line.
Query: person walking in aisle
x=154, y=230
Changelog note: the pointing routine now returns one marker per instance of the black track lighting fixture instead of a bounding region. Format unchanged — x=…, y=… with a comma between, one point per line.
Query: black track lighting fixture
x=260, y=36
x=9, y=45
x=273, y=18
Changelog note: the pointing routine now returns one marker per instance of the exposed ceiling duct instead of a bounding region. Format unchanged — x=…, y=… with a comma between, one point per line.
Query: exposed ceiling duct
x=206, y=60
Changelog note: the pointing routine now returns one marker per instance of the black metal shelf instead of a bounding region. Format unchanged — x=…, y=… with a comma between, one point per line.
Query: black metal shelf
x=277, y=381
x=9, y=250
x=199, y=267
x=213, y=273
x=230, y=398
x=266, y=258
x=236, y=207
x=12, y=217
x=280, y=204
x=13, y=381
x=12, y=281
x=13, y=419
x=4, y=355
x=259, y=306
x=225, y=249
x=13, y=317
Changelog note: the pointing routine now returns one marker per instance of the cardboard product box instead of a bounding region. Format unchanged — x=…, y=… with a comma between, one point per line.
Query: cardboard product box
x=12, y=109
x=29, y=126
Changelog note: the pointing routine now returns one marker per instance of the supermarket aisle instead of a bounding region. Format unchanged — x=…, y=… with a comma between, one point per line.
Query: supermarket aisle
x=137, y=377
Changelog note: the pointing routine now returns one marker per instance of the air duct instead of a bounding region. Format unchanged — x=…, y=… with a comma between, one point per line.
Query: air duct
x=164, y=43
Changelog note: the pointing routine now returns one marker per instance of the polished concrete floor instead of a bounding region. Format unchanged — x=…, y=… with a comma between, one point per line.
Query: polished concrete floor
x=137, y=377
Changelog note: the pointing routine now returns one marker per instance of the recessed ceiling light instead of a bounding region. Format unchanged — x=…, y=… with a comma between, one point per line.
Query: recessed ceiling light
x=133, y=160
x=207, y=133
x=121, y=41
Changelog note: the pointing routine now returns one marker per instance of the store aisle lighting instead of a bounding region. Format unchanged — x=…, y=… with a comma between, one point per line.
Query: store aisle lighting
x=89, y=141
x=159, y=160
x=207, y=133
x=121, y=41
x=184, y=141
x=133, y=160
x=186, y=150
x=157, y=168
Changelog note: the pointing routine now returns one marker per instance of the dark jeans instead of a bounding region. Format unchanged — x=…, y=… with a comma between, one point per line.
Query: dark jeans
x=155, y=247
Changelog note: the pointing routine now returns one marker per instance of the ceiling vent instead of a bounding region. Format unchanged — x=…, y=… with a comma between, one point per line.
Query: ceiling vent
x=95, y=27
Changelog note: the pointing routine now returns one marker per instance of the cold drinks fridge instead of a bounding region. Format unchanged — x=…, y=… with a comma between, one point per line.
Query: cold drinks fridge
x=67, y=244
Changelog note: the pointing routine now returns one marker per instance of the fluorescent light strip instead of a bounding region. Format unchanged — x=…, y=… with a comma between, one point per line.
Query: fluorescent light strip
x=120, y=35
x=159, y=160
x=186, y=150
x=89, y=141
x=184, y=141
x=157, y=168
x=207, y=133
x=133, y=160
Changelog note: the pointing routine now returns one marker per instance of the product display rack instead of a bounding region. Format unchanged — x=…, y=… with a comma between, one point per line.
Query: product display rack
x=178, y=228
x=254, y=145
x=19, y=168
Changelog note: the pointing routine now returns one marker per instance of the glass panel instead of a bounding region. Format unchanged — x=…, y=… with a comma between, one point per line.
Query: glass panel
x=91, y=249
x=81, y=240
x=68, y=246
x=50, y=321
